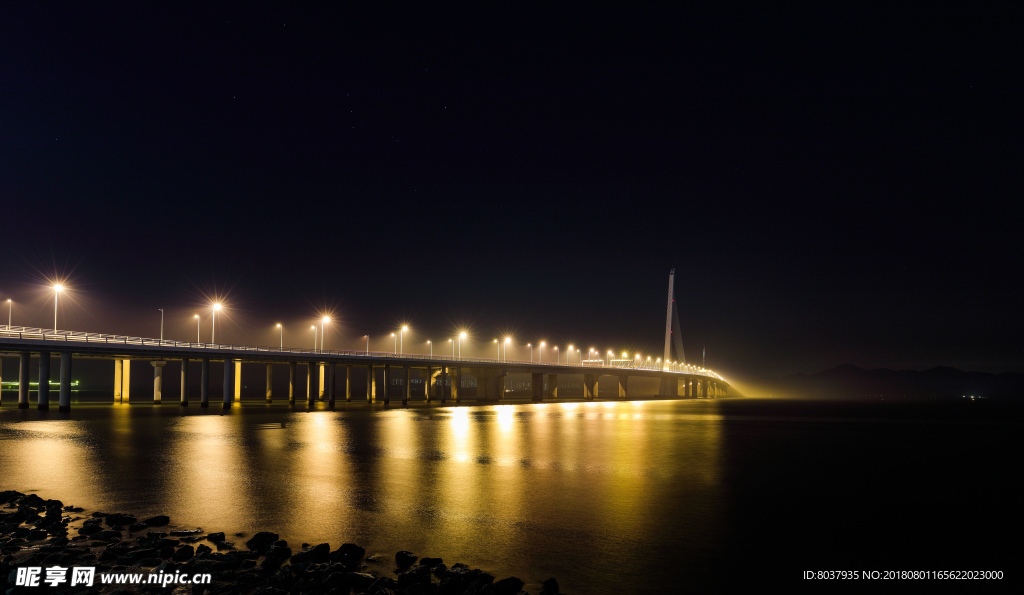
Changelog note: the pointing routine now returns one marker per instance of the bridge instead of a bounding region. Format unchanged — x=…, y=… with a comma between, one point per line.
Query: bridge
x=441, y=377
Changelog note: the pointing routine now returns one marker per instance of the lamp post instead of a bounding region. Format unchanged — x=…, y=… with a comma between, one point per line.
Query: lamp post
x=367, y=344
x=504, y=353
x=198, y=338
x=452, y=341
x=313, y=327
x=556, y=355
x=56, y=292
x=282, y=335
x=10, y=310
x=540, y=354
x=401, y=339
x=567, y=352
x=609, y=359
x=461, y=337
x=323, y=333
x=396, y=342
x=161, y=324
x=530, y=345
x=213, y=332
x=497, y=354
x=431, y=349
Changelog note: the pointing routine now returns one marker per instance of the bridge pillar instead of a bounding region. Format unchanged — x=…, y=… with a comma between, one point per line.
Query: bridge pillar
x=331, y=370
x=456, y=385
x=428, y=383
x=184, y=383
x=442, y=378
x=537, y=387
x=704, y=389
x=24, y=358
x=348, y=383
x=669, y=386
x=229, y=382
x=204, y=382
x=118, y=378
x=322, y=372
x=311, y=383
x=292, y=370
x=407, y=389
x=623, y=386
x=499, y=386
x=270, y=383
x=44, y=381
x=158, y=381
x=589, y=386
x=387, y=384
x=65, y=382
x=126, y=381
x=238, y=381
x=371, y=384
x=551, y=390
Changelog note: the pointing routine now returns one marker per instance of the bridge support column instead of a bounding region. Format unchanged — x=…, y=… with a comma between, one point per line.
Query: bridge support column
x=442, y=388
x=537, y=387
x=590, y=386
x=238, y=381
x=158, y=381
x=184, y=383
x=455, y=385
x=44, y=381
x=311, y=383
x=292, y=369
x=407, y=387
x=428, y=384
x=24, y=359
x=323, y=379
x=270, y=383
x=704, y=388
x=126, y=381
x=499, y=386
x=551, y=390
x=623, y=386
x=670, y=386
x=204, y=382
x=229, y=382
x=331, y=370
x=371, y=384
x=64, y=404
x=118, y=378
x=387, y=384
x=348, y=383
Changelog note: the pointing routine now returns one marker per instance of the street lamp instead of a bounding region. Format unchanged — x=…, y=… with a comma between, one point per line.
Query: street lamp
x=367, y=344
x=313, y=327
x=497, y=354
x=325, y=320
x=452, y=341
x=609, y=358
x=504, y=354
x=540, y=354
x=431, y=349
x=462, y=336
x=530, y=345
x=402, y=339
x=567, y=352
x=213, y=332
x=161, y=324
x=10, y=310
x=56, y=292
x=282, y=335
x=396, y=343
x=198, y=339
x=556, y=354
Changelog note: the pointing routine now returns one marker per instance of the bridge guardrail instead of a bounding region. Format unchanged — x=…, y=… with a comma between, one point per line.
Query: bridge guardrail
x=17, y=332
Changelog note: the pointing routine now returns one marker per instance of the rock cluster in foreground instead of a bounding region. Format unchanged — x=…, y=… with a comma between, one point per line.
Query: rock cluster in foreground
x=44, y=533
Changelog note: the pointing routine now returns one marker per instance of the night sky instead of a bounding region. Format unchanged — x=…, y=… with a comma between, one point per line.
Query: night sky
x=831, y=185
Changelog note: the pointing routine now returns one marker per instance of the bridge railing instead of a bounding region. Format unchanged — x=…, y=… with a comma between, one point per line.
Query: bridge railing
x=41, y=334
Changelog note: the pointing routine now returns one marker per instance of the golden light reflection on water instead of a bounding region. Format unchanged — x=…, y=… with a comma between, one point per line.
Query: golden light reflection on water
x=572, y=490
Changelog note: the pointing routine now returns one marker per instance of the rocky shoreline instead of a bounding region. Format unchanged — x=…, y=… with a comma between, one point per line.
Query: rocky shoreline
x=38, y=533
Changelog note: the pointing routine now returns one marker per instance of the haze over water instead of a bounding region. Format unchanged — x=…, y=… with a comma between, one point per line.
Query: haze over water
x=605, y=496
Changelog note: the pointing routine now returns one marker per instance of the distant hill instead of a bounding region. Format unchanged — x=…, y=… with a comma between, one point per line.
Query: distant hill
x=941, y=383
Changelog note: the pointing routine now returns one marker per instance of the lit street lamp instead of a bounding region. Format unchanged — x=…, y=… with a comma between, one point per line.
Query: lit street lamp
x=504, y=353
x=367, y=344
x=313, y=327
x=10, y=310
x=609, y=359
x=161, y=324
x=461, y=337
x=530, y=345
x=56, y=292
x=540, y=354
x=431, y=349
x=213, y=331
x=325, y=320
x=401, y=342
x=567, y=352
x=280, y=326
x=497, y=354
x=198, y=339
x=396, y=343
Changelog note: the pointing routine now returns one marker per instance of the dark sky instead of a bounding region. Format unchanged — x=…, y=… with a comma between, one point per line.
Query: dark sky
x=831, y=185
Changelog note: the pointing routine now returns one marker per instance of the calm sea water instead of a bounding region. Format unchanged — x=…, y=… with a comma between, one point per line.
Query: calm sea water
x=607, y=497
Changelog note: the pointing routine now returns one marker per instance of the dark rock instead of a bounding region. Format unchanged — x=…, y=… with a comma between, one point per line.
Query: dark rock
x=261, y=542
x=348, y=555
x=203, y=550
x=159, y=520
x=90, y=529
x=337, y=580
x=115, y=520
x=439, y=570
x=184, y=553
x=107, y=536
x=184, y=532
x=404, y=559
x=382, y=585
x=431, y=562
x=507, y=586
x=165, y=552
x=361, y=581
x=136, y=527
x=550, y=587
x=460, y=579
x=216, y=537
x=149, y=562
x=317, y=553
x=416, y=574
x=225, y=545
x=283, y=577
x=247, y=564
